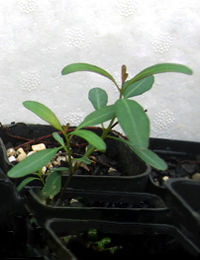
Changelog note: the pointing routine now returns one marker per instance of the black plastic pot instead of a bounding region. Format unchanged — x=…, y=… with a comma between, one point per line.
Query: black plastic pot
x=11, y=204
x=174, y=151
x=107, y=206
x=147, y=217
x=186, y=150
x=136, y=171
x=136, y=239
x=182, y=198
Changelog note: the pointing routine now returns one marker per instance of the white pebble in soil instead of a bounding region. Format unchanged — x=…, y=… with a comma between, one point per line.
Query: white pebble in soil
x=196, y=176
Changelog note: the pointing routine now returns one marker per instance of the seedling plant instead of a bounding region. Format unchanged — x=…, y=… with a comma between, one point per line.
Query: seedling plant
x=125, y=111
x=92, y=240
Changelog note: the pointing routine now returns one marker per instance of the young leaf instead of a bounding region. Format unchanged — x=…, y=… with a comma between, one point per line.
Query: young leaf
x=43, y=112
x=58, y=138
x=160, y=68
x=99, y=116
x=114, y=249
x=124, y=74
x=98, y=97
x=53, y=185
x=74, y=67
x=134, y=122
x=91, y=138
x=138, y=88
x=32, y=163
x=25, y=182
x=148, y=156
x=104, y=241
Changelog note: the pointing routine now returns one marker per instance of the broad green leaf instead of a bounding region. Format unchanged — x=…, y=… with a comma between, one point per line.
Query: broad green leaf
x=151, y=158
x=32, y=163
x=138, y=88
x=98, y=97
x=58, y=138
x=83, y=159
x=25, y=182
x=53, y=185
x=160, y=68
x=99, y=116
x=91, y=138
x=134, y=122
x=74, y=67
x=43, y=112
x=148, y=156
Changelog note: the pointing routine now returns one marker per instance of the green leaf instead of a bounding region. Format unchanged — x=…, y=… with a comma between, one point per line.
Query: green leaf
x=58, y=138
x=99, y=116
x=148, y=156
x=32, y=163
x=134, y=122
x=53, y=185
x=43, y=112
x=25, y=182
x=74, y=67
x=91, y=138
x=115, y=248
x=104, y=241
x=151, y=158
x=83, y=159
x=92, y=235
x=98, y=97
x=138, y=88
x=160, y=68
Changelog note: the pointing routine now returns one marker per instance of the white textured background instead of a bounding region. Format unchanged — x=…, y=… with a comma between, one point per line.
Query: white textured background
x=39, y=37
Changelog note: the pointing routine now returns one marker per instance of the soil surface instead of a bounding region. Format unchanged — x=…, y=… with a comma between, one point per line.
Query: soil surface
x=159, y=246
x=178, y=168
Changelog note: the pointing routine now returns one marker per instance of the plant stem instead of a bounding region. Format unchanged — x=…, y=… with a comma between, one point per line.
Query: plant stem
x=64, y=188
x=68, y=150
x=87, y=154
x=40, y=176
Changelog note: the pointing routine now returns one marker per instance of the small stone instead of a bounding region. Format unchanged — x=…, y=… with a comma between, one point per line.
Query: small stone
x=111, y=169
x=73, y=200
x=11, y=152
x=157, y=182
x=31, y=152
x=12, y=158
x=21, y=157
x=49, y=165
x=55, y=163
x=61, y=158
x=76, y=203
x=44, y=169
x=38, y=147
x=165, y=178
x=196, y=176
x=21, y=151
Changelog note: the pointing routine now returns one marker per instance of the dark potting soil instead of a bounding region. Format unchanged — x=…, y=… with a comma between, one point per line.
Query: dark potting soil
x=132, y=247
x=101, y=163
x=80, y=202
x=178, y=167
